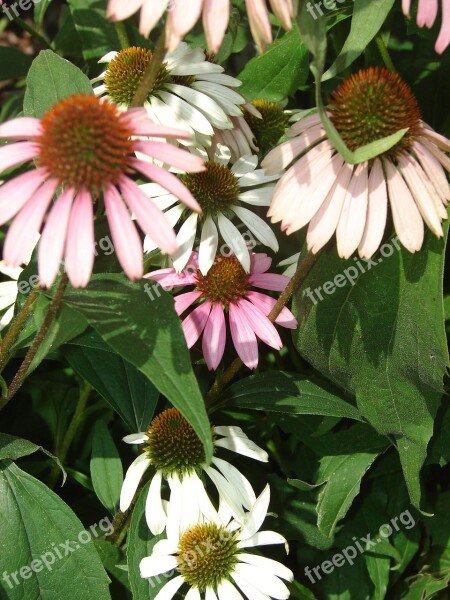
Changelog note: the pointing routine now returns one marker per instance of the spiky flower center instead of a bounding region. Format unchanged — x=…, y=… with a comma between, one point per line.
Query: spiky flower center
x=372, y=105
x=216, y=188
x=270, y=128
x=226, y=281
x=172, y=444
x=126, y=70
x=85, y=143
x=207, y=555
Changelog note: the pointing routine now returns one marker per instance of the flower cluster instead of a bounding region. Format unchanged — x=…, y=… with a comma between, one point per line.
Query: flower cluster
x=205, y=542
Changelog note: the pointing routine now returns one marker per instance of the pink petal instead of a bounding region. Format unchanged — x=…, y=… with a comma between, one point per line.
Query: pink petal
x=376, y=212
x=244, y=338
x=150, y=218
x=147, y=127
x=266, y=304
x=427, y=12
x=21, y=128
x=216, y=14
x=281, y=156
x=169, y=278
x=175, y=157
x=259, y=22
x=284, y=11
x=51, y=244
x=444, y=35
x=259, y=263
x=151, y=12
x=15, y=193
x=169, y=182
x=184, y=301
x=80, y=243
x=22, y=234
x=16, y=154
x=214, y=337
x=406, y=7
x=260, y=324
x=270, y=281
x=181, y=21
x=118, y=10
x=352, y=221
x=126, y=240
x=194, y=324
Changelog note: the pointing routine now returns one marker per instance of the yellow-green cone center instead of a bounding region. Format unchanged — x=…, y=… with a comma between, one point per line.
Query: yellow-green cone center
x=226, y=281
x=372, y=105
x=207, y=555
x=270, y=128
x=216, y=188
x=172, y=444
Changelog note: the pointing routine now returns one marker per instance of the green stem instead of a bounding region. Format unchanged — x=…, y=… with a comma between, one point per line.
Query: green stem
x=122, y=34
x=37, y=36
x=70, y=434
x=148, y=79
x=16, y=327
x=385, y=53
x=21, y=374
x=304, y=267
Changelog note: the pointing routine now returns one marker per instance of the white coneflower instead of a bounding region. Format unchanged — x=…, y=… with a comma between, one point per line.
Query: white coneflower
x=210, y=556
x=333, y=196
x=189, y=91
x=220, y=190
x=173, y=448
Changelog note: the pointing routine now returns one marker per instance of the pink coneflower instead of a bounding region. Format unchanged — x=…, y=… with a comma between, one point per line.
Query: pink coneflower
x=83, y=148
x=227, y=289
x=426, y=15
x=183, y=15
x=333, y=196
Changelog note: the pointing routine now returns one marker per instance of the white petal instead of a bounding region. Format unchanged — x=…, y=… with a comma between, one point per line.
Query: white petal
x=227, y=591
x=136, y=438
x=132, y=479
x=235, y=241
x=155, y=514
x=243, y=446
x=203, y=103
x=237, y=480
x=210, y=595
x=208, y=245
x=248, y=588
x=173, y=215
x=227, y=492
x=257, y=515
x=188, y=113
x=185, y=241
x=263, y=581
x=193, y=594
x=155, y=565
x=170, y=589
x=257, y=226
x=259, y=196
x=244, y=165
x=267, y=564
x=262, y=538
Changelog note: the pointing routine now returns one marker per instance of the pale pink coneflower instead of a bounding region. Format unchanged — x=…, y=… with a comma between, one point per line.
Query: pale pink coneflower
x=227, y=289
x=184, y=14
x=333, y=196
x=426, y=15
x=83, y=148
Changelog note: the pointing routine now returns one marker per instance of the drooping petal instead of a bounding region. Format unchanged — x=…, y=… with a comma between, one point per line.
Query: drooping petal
x=22, y=128
x=126, y=240
x=194, y=323
x=260, y=324
x=264, y=581
x=185, y=241
x=266, y=303
x=233, y=237
x=132, y=479
x=155, y=515
x=80, y=244
x=170, y=589
x=257, y=226
x=16, y=193
x=352, y=221
x=216, y=14
x=227, y=591
x=244, y=338
x=16, y=154
x=376, y=212
x=214, y=337
x=208, y=245
x=256, y=516
x=241, y=484
x=53, y=239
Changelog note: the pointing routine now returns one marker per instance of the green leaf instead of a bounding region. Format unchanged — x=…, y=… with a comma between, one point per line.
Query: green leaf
x=382, y=338
x=367, y=20
x=98, y=35
x=113, y=558
x=140, y=544
x=147, y=333
x=13, y=63
x=12, y=448
x=354, y=451
x=106, y=467
x=54, y=557
x=288, y=393
x=128, y=391
x=277, y=73
x=51, y=78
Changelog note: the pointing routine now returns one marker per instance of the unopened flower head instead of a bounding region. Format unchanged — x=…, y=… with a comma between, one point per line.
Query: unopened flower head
x=183, y=15
x=173, y=449
x=189, y=91
x=221, y=190
x=321, y=189
x=427, y=14
x=211, y=557
x=84, y=149
x=227, y=290
x=269, y=125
